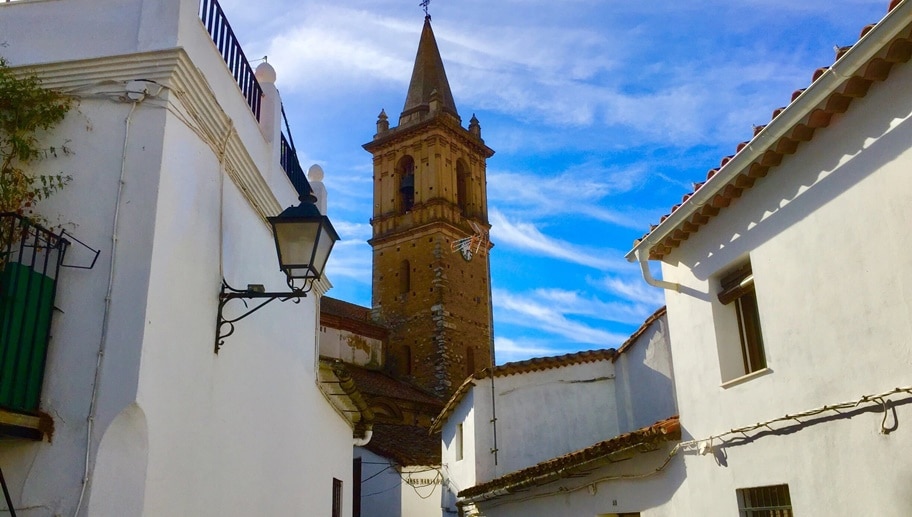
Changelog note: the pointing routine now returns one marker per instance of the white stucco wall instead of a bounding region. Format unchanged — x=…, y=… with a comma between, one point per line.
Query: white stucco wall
x=388, y=489
x=534, y=409
x=645, y=379
x=634, y=392
x=421, y=491
x=381, y=485
x=599, y=492
x=461, y=473
x=179, y=430
x=827, y=236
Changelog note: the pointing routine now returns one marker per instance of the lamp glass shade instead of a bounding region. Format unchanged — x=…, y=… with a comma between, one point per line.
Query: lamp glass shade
x=304, y=239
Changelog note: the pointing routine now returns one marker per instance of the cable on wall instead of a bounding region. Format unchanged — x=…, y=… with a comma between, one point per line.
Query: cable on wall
x=705, y=446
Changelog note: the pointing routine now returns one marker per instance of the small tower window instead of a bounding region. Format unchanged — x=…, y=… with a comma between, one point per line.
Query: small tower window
x=406, y=173
x=470, y=361
x=405, y=277
x=462, y=186
x=407, y=359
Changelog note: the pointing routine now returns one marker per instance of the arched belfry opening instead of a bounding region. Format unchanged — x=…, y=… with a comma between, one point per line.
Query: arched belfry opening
x=405, y=171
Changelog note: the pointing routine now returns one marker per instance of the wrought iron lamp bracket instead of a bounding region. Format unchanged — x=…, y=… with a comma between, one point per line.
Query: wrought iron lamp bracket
x=225, y=326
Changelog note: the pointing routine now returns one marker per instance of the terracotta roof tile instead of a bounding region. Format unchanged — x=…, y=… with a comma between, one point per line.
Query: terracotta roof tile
x=557, y=468
x=336, y=307
x=348, y=316
x=877, y=68
x=374, y=382
x=639, y=332
x=407, y=445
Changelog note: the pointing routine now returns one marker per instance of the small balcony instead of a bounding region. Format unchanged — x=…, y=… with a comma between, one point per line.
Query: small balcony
x=30, y=260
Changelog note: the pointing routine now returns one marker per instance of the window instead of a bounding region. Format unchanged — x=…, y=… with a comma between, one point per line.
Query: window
x=765, y=501
x=457, y=442
x=337, y=498
x=738, y=293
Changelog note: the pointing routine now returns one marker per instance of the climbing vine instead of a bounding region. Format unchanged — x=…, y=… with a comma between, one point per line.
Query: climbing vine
x=27, y=111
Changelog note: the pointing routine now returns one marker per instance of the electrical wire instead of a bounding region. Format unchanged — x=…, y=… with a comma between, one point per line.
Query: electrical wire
x=694, y=445
x=106, y=317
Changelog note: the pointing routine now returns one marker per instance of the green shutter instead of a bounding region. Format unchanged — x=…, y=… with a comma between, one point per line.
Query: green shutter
x=26, y=303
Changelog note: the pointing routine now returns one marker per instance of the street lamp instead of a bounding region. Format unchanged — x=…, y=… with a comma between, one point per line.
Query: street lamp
x=304, y=239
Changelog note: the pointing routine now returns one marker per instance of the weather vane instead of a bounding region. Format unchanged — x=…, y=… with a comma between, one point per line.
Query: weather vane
x=424, y=4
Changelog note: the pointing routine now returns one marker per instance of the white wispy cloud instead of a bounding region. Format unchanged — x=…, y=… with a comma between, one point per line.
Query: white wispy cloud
x=509, y=350
x=634, y=290
x=351, y=258
x=575, y=302
x=527, y=237
x=580, y=190
x=534, y=312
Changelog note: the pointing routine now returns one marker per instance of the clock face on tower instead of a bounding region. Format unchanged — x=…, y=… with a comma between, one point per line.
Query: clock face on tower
x=466, y=253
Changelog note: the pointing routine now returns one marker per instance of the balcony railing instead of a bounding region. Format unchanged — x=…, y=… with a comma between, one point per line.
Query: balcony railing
x=215, y=21
x=288, y=158
x=30, y=259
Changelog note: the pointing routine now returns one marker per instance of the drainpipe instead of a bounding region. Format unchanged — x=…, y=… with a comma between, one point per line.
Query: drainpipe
x=361, y=442
x=643, y=258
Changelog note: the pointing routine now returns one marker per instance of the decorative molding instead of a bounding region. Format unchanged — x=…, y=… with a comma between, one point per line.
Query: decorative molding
x=182, y=80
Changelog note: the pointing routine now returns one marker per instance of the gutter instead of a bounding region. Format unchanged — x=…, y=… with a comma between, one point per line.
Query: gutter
x=844, y=68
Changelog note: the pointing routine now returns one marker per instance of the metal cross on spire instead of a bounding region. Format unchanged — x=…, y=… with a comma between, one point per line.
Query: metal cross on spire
x=424, y=5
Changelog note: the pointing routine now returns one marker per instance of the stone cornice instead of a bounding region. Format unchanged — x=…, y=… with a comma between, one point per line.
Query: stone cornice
x=442, y=121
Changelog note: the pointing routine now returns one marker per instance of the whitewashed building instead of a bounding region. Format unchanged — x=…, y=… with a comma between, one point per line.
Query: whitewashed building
x=177, y=160
x=578, y=434
x=787, y=277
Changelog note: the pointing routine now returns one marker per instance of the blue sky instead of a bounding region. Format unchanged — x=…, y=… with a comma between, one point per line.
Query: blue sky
x=602, y=115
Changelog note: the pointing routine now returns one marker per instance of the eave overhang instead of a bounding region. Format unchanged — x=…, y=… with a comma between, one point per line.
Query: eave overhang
x=647, y=439
x=879, y=48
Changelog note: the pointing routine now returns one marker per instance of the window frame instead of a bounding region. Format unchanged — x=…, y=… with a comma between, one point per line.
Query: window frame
x=337, y=498
x=738, y=293
x=765, y=507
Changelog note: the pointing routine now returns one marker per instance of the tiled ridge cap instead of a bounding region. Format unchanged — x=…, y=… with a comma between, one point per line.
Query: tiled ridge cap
x=897, y=50
x=639, y=332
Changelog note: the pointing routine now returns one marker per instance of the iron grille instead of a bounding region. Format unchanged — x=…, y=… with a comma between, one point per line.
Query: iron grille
x=765, y=501
x=30, y=260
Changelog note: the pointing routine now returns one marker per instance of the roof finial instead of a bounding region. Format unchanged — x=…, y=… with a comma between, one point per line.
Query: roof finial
x=424, y=4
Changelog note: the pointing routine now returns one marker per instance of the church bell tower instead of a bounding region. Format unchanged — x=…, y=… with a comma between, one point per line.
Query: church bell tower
x=429, y=195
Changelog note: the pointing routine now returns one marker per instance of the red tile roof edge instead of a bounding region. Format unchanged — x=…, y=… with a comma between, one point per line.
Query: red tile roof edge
x=342, y=315
x=541, y=363
x=639, y=332
x=726, y=183
x=557, y=468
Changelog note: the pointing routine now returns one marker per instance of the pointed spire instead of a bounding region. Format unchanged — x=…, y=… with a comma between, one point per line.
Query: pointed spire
x=429, y=81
